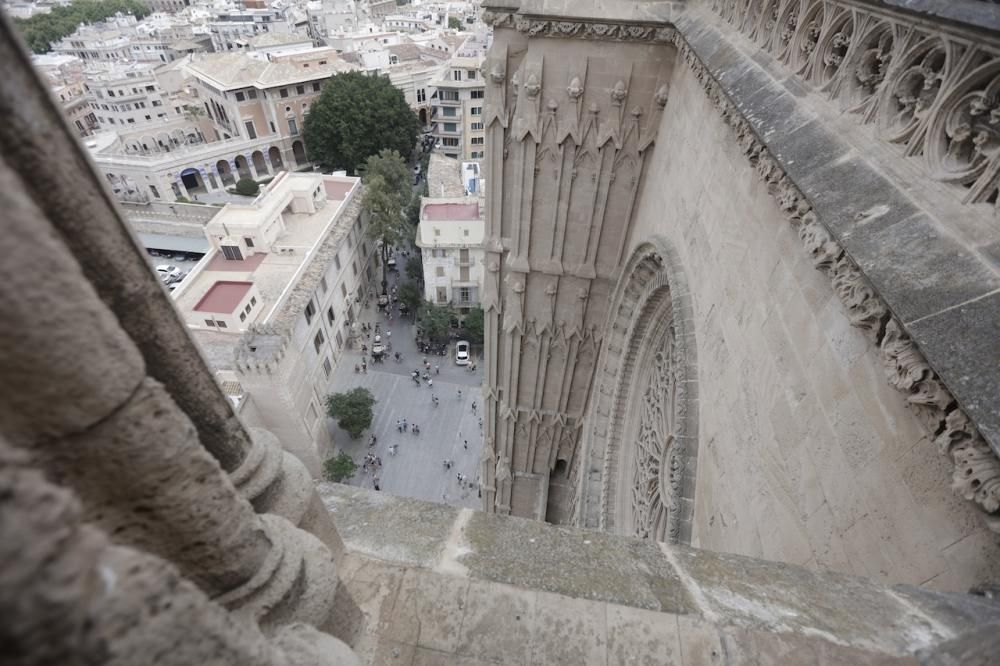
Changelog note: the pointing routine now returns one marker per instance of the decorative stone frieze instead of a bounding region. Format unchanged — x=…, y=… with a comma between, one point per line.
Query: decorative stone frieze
x=534, y=27
x=977, y=470
x=934, y=92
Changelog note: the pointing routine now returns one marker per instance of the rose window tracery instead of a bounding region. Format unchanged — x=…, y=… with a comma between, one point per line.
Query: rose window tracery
x=657, y=463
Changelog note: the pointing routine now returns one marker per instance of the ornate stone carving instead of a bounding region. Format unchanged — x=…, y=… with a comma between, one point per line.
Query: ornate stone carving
x=932, y=92
x=579, y=29
x=658, y=462
x=513, y=314
x=977, y=468
x=661, y=96
x=864, y=308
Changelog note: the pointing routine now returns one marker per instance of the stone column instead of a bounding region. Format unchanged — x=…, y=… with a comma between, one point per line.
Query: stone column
x=59, y=176
x=68, y=596
x=182, y=188
x=75, y=394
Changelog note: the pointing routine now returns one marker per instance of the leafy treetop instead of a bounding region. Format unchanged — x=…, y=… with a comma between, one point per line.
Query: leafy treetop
x=454, y=23
x=474, y=326
x=356, y=116
x=339, y=468
x=415, y=269
x=387, y=192
x=352, y=409
x=409, y=295
x=436, y=321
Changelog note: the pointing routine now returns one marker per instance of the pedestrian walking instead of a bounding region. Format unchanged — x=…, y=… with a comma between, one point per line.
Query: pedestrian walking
x=465, y=445
x=404, y=425
x=430, y=383
x=473, y=406
x=437, y=370
x=459, y=394
x=399, y=425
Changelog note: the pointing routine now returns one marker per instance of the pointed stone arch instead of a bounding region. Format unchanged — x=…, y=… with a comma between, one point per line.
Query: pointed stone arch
x=642, y=443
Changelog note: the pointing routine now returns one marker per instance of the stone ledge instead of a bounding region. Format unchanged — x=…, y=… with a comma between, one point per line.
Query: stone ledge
x=928, y=263
x=466, y=584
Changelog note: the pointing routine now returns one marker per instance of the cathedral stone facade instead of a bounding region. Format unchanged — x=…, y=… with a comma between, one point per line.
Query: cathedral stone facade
x=742, y=274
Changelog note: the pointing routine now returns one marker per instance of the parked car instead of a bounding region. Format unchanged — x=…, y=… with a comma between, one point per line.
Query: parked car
x=170, y=273
x=391, y=264
x=462, y=353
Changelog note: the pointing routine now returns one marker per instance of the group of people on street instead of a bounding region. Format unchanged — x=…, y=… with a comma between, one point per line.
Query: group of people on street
x=373, y=465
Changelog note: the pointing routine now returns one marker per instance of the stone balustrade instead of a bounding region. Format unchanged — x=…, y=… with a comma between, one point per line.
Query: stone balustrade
x=437, y=584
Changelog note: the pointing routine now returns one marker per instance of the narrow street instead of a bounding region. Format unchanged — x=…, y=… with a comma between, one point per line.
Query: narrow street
x=450, y=430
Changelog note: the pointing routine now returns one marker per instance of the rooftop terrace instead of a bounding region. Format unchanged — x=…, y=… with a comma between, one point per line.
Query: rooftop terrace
x=276, y=271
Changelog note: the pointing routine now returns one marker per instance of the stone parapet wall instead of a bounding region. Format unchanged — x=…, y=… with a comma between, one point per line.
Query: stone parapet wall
x=436, y=584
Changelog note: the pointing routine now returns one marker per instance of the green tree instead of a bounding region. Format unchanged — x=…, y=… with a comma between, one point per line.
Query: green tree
x=352, y=409
x=339, y=468
x=248, y=187
x=413, y=210
x=436, y=321
x=454, y=23
x=356, y=116
x=415, y=269
x=410, y=296
x=387, y=192
x=475, y=327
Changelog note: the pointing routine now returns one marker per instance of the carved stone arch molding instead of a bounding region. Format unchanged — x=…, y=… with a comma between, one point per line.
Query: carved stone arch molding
x=647, y=434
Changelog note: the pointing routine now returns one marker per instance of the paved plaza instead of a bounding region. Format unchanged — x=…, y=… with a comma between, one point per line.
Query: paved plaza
x=417, y=469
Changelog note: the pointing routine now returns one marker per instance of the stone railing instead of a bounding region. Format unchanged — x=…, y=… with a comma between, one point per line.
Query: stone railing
x=462, y=586
x=934, y=93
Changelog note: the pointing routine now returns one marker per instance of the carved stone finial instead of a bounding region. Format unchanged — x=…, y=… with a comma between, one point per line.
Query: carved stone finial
x=575, y=89
x=498, y=73
x=515, y=83
x=552, y=105
x=618, y=93
x=662, y=95
x=532, y=87
x=636, y=111
x=593, y=108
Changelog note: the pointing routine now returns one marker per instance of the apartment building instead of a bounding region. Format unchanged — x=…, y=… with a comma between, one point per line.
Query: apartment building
x=272, y=302
x=230, y=29
x=127, y=93
x=450, y=235
x=457, y=113
x=248, y=124
x=250, y=98
x=66, y=80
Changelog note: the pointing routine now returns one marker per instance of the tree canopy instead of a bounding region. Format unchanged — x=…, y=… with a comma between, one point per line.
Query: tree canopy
x=436, y=321
x=474, y=326
x=454, y=23
x=41, y=30
x=352, y=409
x=387, y=194
x=357, y=116
x=339, y=468
x=410, y=296
x=415, y=269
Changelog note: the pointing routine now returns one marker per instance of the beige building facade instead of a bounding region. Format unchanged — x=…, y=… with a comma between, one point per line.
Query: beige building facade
x=689, y=338
x=457, y=113
x=272, y=302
